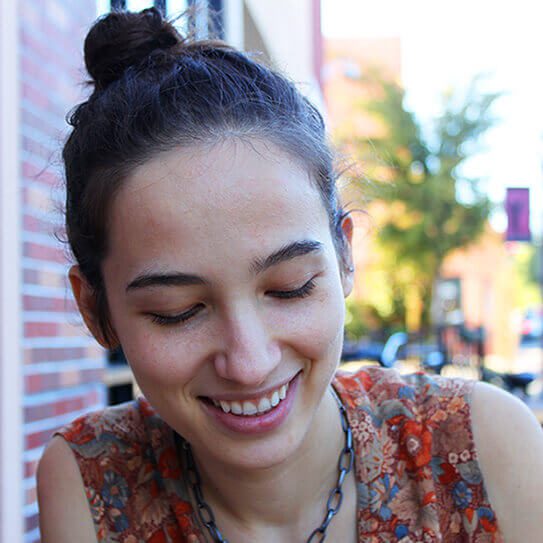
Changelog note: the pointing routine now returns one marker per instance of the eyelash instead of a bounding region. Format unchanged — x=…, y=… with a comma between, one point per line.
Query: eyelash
x=175, y=319
x=302, y=292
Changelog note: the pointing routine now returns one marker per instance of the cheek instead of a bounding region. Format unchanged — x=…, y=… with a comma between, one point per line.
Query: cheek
x=157, y=356
x=317, y=330
x=161, y=359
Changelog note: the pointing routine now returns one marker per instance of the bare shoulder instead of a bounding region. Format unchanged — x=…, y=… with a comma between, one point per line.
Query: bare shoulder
x=64, y=510
x=509, y=443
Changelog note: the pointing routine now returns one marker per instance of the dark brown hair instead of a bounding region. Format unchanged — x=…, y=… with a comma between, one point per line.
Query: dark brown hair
x=154, y=90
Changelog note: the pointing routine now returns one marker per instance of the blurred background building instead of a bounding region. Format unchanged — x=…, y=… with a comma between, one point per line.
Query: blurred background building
x=51, y=370
x=495, y=290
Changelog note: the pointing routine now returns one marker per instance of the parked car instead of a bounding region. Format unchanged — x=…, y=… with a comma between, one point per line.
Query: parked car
x=532, y=324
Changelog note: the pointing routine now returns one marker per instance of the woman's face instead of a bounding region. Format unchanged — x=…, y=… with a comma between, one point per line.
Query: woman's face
x=226, y=295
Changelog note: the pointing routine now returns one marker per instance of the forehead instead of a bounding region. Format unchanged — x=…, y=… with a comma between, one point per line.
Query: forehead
x=214, y=197
x=223, y=176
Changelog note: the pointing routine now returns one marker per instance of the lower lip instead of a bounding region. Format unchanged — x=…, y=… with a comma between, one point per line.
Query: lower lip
x=256, y=424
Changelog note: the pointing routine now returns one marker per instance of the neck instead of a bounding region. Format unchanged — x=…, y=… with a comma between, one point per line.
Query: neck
x=293, y=493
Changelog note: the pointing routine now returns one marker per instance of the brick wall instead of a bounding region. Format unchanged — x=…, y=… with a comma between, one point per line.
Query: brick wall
x=62, y=366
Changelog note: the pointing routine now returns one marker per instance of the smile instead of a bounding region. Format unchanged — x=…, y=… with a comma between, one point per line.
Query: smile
x=254, y=406
x=253, y=415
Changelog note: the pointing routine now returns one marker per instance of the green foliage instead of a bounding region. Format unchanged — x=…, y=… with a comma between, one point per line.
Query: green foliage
x=431, y=207
x=364, y=319
x=356, y=322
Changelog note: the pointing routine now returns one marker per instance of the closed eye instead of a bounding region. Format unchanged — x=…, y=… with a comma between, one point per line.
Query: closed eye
x=302, y=292
x=175, y=319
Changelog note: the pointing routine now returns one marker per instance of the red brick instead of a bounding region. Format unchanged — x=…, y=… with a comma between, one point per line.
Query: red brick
x=44, y=252
x=31, y=522
x=41, y=382
x=55, y=354
x=45, y=175
x=40, y=329
x=41, y=303
x=35, y=71
x=38, y=439
x=31, y=495
x=45, y=382
x=35, y=96
x=35, y=224
x=30, y=468
x=60, y=407
x=47, y=278
x=38, y=412
x=51, y=77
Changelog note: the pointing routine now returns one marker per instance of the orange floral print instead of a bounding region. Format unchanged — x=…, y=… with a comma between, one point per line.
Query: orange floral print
x=418, y=479
x=415, y=445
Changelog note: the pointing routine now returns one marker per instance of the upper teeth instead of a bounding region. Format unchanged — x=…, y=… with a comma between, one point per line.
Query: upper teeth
x=252, y=407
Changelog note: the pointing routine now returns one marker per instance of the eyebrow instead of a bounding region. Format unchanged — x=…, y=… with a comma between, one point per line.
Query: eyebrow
x=176, y=279
x=287, y=252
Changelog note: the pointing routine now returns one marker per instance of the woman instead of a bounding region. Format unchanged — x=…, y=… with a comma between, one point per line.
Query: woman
x=210, y=244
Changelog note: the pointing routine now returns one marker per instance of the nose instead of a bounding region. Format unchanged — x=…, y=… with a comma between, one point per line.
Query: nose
x=249, y=353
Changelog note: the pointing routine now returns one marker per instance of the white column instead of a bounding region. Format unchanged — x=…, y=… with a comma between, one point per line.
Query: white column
x=233, y=23
x=11, y=390
x=201, y=19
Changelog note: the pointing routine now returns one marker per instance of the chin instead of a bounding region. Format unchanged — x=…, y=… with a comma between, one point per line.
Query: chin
x=261, y=454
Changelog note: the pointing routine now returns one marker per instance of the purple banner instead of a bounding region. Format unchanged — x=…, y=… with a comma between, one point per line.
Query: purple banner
x=517, y=206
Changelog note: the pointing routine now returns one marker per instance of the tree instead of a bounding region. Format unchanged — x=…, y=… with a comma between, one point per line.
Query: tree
x=431, y=207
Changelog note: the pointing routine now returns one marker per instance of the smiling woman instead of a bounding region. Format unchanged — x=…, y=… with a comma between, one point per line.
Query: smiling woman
x=210, y=244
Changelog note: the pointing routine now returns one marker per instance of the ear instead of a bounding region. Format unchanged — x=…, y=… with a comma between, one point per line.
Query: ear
x=347, y=273
x=86, y=302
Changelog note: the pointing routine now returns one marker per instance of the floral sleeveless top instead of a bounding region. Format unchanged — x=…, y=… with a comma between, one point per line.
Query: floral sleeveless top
x=418, y=479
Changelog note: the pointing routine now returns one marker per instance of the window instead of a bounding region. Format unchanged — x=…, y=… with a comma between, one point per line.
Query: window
x=209, y=13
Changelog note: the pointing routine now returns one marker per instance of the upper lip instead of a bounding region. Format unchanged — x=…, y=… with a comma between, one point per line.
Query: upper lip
x=241, y=396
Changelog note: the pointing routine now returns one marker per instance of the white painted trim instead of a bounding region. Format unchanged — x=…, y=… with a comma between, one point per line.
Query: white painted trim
x=68, y=317
x=233, y=23
x=46, y=292
x=11, y=384
x=51, y=396
x=32, y=536
x=44, y=368
x=202, y=19
x=44, y=265
x=31, y=455
x=59, y=342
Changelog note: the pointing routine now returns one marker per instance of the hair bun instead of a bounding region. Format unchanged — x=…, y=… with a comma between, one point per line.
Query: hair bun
x=123, y=39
